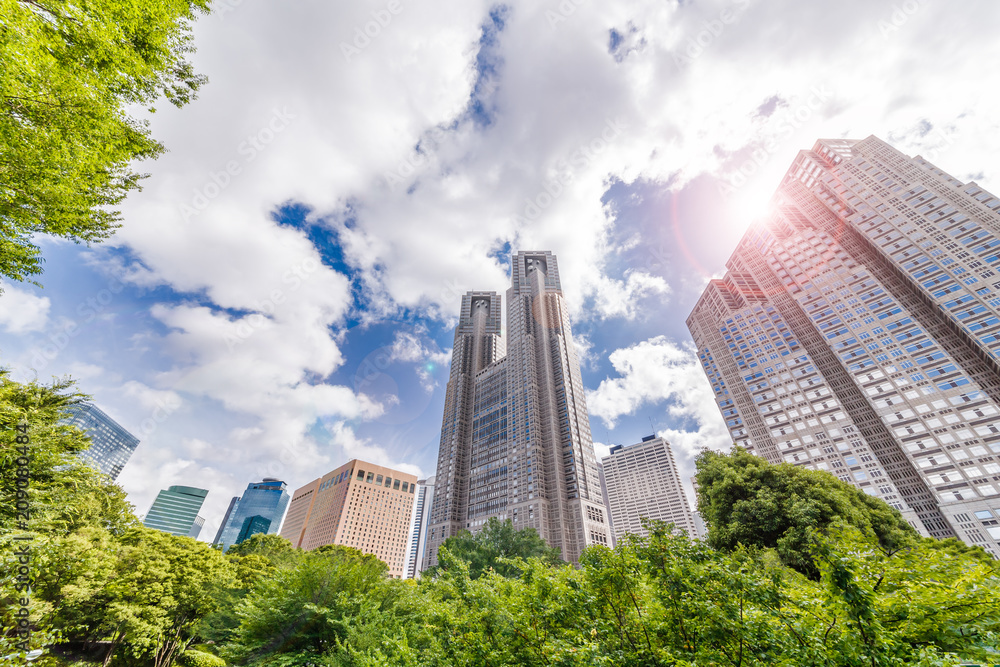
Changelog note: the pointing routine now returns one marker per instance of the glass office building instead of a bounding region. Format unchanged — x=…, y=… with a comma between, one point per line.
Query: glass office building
x=112, y=444
x=267, y=499
x=175, y=510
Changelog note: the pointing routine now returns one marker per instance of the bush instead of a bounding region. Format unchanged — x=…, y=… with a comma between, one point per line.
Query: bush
x=193, y=658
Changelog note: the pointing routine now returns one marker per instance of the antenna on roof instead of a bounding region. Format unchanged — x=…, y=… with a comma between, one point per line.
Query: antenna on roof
x=651, y=427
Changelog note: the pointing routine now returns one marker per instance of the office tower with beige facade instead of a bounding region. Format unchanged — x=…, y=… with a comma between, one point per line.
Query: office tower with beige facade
x=515, y=438
x=643, y=482
x=857, y=330
x=360, y=505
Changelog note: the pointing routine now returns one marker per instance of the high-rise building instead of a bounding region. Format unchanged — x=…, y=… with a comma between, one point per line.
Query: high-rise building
x=361, y=505
x=175, y=510
x=515, y=438
x=607, y=503
x=267, y=498
x=857, y=330
x=225, y=520
x=199, y=523
x=253, y=525
x=112, y=445
x=643, y=483
x=418, y=527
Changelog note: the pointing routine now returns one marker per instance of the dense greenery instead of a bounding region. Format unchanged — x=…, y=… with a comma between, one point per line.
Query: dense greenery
x=71, y=73
x=492, y=548
x=874, y=594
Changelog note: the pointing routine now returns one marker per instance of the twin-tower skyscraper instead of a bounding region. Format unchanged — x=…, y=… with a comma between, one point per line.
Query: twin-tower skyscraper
x=515, y=438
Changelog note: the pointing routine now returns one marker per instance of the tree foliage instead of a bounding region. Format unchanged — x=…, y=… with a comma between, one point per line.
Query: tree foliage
x=746, y=500
x=71, y=73
x=494, y=545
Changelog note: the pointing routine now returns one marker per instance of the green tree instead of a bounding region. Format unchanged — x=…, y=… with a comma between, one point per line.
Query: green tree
x=71, y=73
x=143, y=592
x=64, y=493
x=494, y=545
x=336, y=606
x=746, y=500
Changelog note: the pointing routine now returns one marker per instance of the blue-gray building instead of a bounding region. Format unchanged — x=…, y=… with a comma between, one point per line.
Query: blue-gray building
x=253, y=525
x=267, y=499
x=175, y=511
x=112, y=444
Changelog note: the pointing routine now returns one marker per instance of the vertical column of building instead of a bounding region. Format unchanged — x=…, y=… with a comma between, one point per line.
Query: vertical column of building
x=552, y=450
x=476, y=346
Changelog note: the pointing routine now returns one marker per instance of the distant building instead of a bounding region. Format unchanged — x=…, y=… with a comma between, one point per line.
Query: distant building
x=112, y=445
x=225, y=520
x=418, y=528
x=515, y=437
x=607, y=503
x=268, y=499
x=175, y=510
x=252, y=525
x=643, y=482
x=199, y=523
x=361, y=505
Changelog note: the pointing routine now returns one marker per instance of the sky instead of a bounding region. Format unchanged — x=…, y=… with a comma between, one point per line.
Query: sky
x=283, y=292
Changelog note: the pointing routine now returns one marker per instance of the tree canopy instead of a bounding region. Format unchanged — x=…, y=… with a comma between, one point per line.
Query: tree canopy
x=500, y=597
x=492, y=546
x=71, y=73
x=745, y=500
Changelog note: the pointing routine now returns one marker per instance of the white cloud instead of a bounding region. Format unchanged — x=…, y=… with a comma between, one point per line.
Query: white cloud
x=23, y=312
x=659, y=371
x=381, y=148
x=408, y=347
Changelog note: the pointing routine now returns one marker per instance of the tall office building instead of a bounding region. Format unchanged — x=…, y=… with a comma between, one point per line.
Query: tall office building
x=643, y=483
x=857, y=330
x=225, y=520
x=418, y=528
x=360, y=505
x=175, y=510
x=253, y=525
x=515, y=438
x=112, y=444
x=199, y=523
x=267, y=498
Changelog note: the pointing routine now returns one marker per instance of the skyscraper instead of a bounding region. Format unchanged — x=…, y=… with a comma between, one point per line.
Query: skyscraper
x=253, y=525
x=643, y=483
x=857, y=330
x=225, y=520
x=267, y=499
x=515, y=437
x=418, y=528
x=196, y=526
x=175, y=510
x=360, y=505
x=112, y=444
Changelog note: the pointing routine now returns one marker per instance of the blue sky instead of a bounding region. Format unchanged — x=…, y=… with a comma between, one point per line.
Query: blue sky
x=283, y=292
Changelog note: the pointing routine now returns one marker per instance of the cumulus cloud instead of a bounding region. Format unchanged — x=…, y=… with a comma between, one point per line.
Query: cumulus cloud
x=658, y=371
x=22, y=312
x=408, y=347
x=460, y=129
